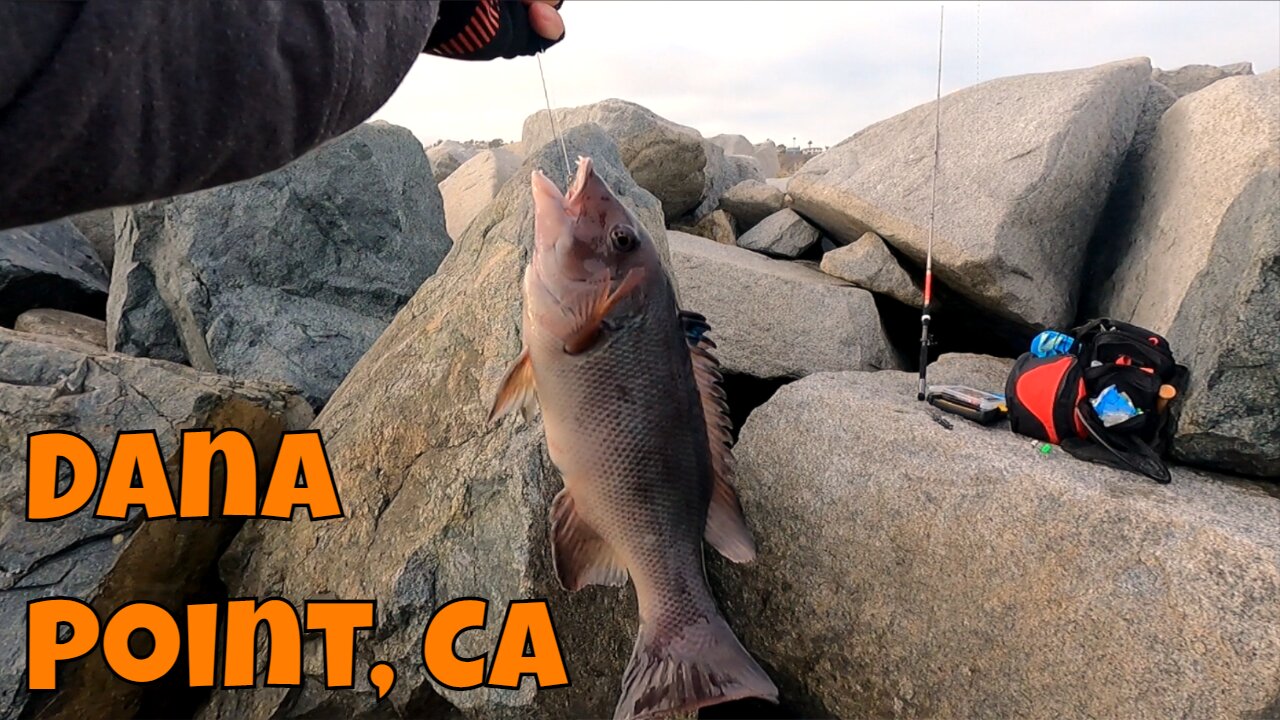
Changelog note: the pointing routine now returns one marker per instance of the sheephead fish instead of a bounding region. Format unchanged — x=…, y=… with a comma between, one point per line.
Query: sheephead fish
x=636, y=423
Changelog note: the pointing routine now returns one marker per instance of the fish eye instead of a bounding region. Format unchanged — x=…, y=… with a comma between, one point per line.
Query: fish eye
x=623, y=238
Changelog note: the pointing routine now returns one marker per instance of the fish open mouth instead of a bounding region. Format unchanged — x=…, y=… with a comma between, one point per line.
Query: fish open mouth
x=576, y=197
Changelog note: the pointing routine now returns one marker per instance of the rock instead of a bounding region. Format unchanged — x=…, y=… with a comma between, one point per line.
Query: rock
x=766, y=153
x=1202, y=267
x=751, y=201
x=288, y=277
x=1027, y=163
x=782, y=234
x=55, y=384
x=447, y=157
x=733, y=144
x=967, y=575
x=90, y=334
x=723, y=173
x=719, y=226
x=666, y=159
x=50, y=265
x=440, y=503
x=982, y=372
x=517, y=149
x=99, y=229
x=473, y=186
x=782, y=184
x=775, y=319
x=868, y=264
x=1192, y=78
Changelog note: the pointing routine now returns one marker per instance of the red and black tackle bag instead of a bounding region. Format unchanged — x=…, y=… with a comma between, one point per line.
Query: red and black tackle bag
x=1050, y=398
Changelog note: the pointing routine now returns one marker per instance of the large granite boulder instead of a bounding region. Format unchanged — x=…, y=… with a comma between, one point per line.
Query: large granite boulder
x=1026, y=166
x=1192, y=78
x=766, y=153
x=777, y=319
x=288, y=277
x=49, y=265
x=55, y=384
x=1201, y=266
x=470, y=188
x=667, y=159
x=751, y=201
x=914, y=564
x=98, y=227
x=89, y=333
x=733, y=144
x=440, y=503
x=783, y=234
x=447, y=156
x=869, y=264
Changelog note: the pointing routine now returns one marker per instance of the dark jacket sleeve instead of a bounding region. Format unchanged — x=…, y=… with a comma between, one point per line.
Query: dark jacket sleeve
x=115, y=102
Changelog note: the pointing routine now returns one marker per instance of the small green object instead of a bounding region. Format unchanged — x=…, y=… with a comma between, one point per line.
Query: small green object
x=1046, y=448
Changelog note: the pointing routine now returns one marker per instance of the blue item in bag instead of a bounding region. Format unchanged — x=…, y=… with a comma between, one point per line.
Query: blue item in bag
x=1114, y=407
x=1051, y=342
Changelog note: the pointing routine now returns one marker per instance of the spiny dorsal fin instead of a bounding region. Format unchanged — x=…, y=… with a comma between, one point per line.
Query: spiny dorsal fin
x=578, y=553
x=726, y=527
x=517, y=389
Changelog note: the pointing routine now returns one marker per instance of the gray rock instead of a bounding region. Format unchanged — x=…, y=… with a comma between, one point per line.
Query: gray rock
x=55, y=384
x=976, y=371
x=50, y=265
x=1201, y=264
x=868, y=264
x=99, y=229
x=782, y=234
x=665, y=158
x=447, y=157
x=733, y=144
x=287, y=277
x=910, y=570
x=441, y=504
x=1026, y=165
x=723, y=173
x=782, y=184
x=777, y=319
x=719, y=226
x=766, y=153
x=751, y=201
x=473, y=186
x=1192, y=78
x=89, y=333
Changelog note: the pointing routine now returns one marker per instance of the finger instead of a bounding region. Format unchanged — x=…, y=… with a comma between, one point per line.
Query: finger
x=545, y=20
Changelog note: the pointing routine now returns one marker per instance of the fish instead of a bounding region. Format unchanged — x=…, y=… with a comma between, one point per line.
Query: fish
x=636, y=423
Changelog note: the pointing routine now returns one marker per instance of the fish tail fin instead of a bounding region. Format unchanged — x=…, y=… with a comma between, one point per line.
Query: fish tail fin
x=695, y=666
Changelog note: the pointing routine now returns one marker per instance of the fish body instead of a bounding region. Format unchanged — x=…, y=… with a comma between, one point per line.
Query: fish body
x=636, y=424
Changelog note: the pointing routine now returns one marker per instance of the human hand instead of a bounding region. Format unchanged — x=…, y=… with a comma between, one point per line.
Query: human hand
x=489, y=29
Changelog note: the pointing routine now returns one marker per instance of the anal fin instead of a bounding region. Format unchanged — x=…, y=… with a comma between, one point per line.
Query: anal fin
x=516, y=390
x=726, y=528
x=580, y=556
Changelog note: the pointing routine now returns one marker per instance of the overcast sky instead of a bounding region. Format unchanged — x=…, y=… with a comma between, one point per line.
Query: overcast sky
x=813, y=71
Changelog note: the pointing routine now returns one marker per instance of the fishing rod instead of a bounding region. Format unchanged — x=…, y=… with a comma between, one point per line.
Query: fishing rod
x=933, y=208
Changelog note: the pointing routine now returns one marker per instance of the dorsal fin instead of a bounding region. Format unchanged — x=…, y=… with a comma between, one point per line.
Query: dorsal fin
x=726, y=527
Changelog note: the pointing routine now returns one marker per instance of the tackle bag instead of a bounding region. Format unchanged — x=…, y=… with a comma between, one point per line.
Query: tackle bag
x=1051, y=398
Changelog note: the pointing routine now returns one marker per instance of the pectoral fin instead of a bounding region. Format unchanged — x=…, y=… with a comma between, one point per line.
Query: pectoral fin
x=592, y=314
x=726, y=528
x=580, y=556
x=517, y=390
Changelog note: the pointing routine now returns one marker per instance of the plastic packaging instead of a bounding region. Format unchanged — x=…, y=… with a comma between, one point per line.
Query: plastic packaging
x=1114, y=407
x=1051, y=342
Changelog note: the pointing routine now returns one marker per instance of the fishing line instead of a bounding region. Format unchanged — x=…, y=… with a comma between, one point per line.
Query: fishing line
x=568, y=172
x=933, y=208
